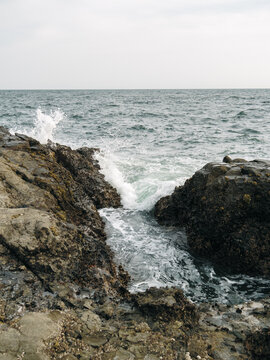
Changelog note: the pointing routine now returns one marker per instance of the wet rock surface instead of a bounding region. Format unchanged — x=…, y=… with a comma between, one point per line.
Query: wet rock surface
x=61, y=294
x=225, y=209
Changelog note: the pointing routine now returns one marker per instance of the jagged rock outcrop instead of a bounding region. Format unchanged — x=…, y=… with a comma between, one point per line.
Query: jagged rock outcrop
x=85, y=170
x=49, y=221
x=225, y=209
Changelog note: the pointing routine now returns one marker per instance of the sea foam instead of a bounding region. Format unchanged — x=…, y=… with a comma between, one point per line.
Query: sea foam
x=113, y=175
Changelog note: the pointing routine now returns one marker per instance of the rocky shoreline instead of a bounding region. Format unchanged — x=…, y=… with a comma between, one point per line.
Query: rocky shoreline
x=62, y=295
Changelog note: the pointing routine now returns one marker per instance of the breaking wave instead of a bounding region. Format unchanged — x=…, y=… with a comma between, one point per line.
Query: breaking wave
x=113, y=175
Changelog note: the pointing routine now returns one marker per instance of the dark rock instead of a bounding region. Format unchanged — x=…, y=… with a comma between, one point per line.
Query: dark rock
x=258, y=344
x=85, y=170
x=225, y=208
x=227, y=159
x=165, y=304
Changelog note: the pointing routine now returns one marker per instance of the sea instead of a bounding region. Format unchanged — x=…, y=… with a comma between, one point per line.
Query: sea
x=151, y=141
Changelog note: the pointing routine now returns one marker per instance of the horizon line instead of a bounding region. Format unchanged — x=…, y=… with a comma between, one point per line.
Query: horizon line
x=121, y=89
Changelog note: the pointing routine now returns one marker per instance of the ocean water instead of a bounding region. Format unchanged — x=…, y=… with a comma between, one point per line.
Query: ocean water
x=151, y=141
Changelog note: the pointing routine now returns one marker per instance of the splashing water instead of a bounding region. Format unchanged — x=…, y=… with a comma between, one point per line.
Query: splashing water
x=107, y=162
x=45, y=125
x=140, y=193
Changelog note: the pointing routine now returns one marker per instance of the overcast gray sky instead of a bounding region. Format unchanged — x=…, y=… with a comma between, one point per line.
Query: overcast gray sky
x=99, y=44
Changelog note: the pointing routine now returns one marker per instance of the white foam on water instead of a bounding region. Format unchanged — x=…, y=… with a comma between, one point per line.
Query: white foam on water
x=146, y=251
x=142, y=193
x=108, y=165
x=44, y=126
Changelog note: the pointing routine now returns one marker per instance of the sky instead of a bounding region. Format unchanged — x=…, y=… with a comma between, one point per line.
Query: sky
x=134, y=44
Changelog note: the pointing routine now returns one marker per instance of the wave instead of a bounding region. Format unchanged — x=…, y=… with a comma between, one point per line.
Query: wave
x=138, y=127
x=146, y=114
x=149, y=198
x=77, y=116
x=6, y=115
x=113, y=175
x=112, y=105
x=241, y=114
x=233, y=97
x=251, y=131
x=44, y=126
x=145, y=189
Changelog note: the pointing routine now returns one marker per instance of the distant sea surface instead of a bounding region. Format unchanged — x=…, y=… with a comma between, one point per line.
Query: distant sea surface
x=151, y=141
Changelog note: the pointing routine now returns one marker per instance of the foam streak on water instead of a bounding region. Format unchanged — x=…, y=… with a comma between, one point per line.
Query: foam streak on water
x=152, y=141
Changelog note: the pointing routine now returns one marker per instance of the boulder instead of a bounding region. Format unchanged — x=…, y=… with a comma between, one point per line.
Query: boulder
x=258, y=344
x=166, y=304
x=28, y=341
x=225, y=209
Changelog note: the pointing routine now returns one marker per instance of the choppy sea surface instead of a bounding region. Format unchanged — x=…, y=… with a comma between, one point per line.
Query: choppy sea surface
x=151, y=141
